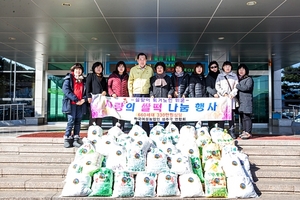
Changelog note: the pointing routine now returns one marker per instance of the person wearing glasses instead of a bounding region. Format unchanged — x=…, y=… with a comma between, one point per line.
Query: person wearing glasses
x=210, y=81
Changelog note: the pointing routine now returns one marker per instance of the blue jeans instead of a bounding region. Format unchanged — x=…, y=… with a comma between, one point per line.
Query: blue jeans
x=74, y=120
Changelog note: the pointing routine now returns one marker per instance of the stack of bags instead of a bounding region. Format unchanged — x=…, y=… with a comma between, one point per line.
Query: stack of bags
x=192, y=163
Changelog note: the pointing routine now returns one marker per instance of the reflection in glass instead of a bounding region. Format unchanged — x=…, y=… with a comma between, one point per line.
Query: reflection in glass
x=6, y=85
x=24, y=85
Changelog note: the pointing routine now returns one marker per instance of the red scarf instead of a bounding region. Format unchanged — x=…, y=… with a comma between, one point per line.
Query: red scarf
x=78, y=89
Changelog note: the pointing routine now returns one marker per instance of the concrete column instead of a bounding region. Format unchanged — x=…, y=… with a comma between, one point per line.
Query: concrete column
x=277, y=94
x=40, y=103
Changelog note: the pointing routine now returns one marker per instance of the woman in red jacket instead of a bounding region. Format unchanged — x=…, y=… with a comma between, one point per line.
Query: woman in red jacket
x=118, y=86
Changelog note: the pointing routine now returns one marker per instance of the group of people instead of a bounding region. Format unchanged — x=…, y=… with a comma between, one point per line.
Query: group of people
x=143, y=81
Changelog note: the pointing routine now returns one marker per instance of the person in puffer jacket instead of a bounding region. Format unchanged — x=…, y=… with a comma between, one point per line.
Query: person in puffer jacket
x=180, y=81
x=197, y=85
x=117, y=86
x=74, y=104
x=161, y=84
x=245, y=96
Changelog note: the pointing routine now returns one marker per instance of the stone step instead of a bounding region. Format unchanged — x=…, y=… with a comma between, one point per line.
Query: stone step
x=284, y=143
x=43, y=159
x=276, y=172
x=32, y=183
x=272, y=150
x=33, y=169
x=23, y=140
x=286, y=161
x=35, y=149
x=53, y=195
x=265, y=185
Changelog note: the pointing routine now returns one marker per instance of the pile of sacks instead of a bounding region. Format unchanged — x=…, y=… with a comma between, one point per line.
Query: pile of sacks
x=192, y=163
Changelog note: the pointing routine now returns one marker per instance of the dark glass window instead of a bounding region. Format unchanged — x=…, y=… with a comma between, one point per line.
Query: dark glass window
x=6, y=85
x=24, y=85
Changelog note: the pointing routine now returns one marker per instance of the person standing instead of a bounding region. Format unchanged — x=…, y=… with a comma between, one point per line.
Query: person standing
x=197, y=85
x=96, y=84
x=161, y=84
x=226, y=87
x=180, y=82
x=245, y=96
x=210, y=81
x=74, y=104
x=139, y=82
x=118, y=86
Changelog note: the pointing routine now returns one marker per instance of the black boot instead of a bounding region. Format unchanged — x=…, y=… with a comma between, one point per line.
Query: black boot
x=77, y=141
x=232, y=132
x=68, y=142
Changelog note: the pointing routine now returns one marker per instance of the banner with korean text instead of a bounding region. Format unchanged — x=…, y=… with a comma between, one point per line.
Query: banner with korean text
x=162, y=109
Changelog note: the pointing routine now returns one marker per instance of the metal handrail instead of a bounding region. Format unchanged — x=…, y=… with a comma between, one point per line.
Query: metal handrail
x=294, y=110
x=9, y=107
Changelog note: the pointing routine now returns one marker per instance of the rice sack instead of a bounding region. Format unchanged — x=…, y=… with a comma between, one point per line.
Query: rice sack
x=244, y=159
x=167, y=184
x=157, y=133
x=197, y=167
x=190, y=185
x=124, y=140
x=94, y=133
x=240, y=187
x=86, y=148
x=115, y=131
x=77, y=185
x=123, y=184
x=189, y=148
x=214, y=179
x=231, y=165
x=172, y=133
x=167, y=146
x=187, y=133
x=86, y=164
x=156, y=161
x=181, y=164
x=102, y=183
x=104, y=145
x=210, y=151
x=136, y=158
x=220, y=136
x=145, y=184
x=116, y=159
x=136, y=131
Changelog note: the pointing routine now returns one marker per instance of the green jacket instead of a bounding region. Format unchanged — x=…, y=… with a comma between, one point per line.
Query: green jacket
x=139, y=80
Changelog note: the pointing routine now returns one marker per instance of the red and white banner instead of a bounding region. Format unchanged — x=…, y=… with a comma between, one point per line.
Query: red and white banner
x=162, y=109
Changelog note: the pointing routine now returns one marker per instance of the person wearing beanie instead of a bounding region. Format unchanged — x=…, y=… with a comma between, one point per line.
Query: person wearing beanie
x=74, y=104
x=210, y=81
x=161, y=84
x=95, y=84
